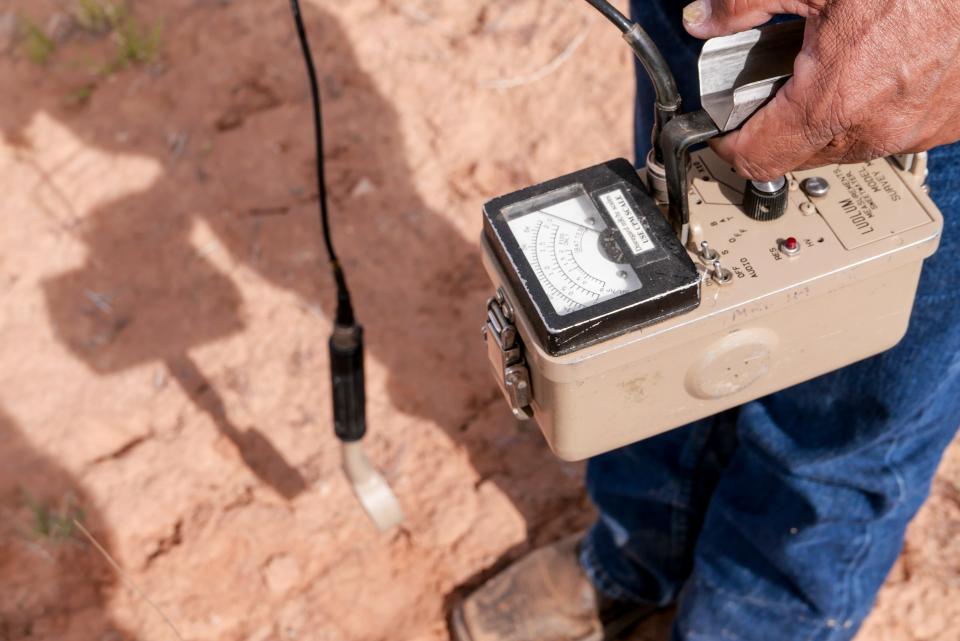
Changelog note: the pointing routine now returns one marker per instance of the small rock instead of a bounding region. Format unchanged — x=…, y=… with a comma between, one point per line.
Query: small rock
x=60, y=27
x=281, y=573
x=8, y=32
x=177, y=141
x=363, y=188
x=160, y=378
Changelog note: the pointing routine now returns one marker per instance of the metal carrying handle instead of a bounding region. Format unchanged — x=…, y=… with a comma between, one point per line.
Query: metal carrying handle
x=678, y=136
x=739, y=74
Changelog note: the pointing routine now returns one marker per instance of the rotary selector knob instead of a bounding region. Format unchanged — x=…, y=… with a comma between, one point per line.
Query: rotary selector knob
x=765, y=200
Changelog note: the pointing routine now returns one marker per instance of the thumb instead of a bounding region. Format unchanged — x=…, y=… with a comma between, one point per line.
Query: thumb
x=778, y=139
x=711, y=18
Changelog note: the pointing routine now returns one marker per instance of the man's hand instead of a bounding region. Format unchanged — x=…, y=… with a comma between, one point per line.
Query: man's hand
x=875, y=77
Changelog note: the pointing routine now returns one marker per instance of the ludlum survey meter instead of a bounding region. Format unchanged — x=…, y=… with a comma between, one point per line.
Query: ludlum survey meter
x=629, y=304
x=593, y=256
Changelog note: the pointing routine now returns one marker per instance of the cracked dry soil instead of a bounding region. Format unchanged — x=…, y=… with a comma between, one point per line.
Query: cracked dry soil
x=166, y=309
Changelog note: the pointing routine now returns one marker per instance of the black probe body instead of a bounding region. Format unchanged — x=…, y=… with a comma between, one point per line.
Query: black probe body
x=347, y=383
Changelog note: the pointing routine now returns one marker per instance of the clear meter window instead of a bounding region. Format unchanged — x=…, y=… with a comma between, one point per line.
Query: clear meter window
x=567, y=244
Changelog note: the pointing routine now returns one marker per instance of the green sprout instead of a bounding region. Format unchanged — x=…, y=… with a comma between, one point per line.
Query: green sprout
x=136, y=44
x=38, y=46
x=53, y=524
x=81, y=95
x=100, y=16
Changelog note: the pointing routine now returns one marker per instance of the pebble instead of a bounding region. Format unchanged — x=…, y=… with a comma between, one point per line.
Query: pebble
x=8, y=32
x=363, y=187
x=281, y=574
x=60, y=27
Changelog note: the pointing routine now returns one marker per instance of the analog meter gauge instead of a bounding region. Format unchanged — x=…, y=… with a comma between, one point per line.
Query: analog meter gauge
x=573, y=253
x=590, y=256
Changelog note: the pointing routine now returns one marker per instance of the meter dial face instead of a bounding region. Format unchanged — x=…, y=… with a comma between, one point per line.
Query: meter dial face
x=571, y=250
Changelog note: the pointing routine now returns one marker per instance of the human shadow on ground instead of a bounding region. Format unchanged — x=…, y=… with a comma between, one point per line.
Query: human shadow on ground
x=55, y=584
x=227, y=116
x=257, y=452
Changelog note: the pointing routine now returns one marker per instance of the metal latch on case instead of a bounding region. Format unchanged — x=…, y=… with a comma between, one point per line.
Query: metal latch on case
x=506, y=356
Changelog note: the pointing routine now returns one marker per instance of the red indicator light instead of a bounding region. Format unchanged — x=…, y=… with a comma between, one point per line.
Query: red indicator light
x=791, y=244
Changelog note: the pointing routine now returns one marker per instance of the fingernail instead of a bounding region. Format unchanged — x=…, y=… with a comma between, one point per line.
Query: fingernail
x=697, y=12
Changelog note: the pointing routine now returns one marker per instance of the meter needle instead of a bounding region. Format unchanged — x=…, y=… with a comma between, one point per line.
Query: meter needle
x=567, y=220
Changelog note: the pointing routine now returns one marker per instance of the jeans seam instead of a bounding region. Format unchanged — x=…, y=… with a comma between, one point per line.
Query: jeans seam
x=725, y=635
x=817, y=625
x=680, y=518
x=851, y=593
x=734, y=596
x=600, y=579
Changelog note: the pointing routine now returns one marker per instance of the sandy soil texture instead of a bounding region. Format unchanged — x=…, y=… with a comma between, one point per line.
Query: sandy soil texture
x=166, y=309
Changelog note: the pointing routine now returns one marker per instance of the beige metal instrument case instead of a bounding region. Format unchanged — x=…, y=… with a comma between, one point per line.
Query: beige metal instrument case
x=829, y=283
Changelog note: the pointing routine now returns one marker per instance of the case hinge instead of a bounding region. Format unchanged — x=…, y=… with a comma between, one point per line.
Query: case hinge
x=505, y=352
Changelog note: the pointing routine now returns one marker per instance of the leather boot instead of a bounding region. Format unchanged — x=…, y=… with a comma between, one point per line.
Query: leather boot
x=545, y=596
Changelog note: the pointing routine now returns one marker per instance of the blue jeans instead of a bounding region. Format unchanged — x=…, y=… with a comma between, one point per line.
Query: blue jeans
x=779, y=521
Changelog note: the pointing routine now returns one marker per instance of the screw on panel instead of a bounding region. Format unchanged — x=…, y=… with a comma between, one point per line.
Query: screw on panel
x=815, y=186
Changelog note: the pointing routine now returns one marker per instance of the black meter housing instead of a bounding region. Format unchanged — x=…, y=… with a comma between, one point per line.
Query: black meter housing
x=633, y=234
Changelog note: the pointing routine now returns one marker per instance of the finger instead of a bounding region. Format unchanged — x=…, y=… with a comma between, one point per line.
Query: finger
x=843, y=150
x=710, y=18
x=777, y=139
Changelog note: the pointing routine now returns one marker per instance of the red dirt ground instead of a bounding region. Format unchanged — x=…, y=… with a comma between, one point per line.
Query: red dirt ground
x=166, y=308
